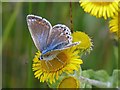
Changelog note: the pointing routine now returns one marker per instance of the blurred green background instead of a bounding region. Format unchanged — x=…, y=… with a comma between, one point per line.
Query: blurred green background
x=18, y=49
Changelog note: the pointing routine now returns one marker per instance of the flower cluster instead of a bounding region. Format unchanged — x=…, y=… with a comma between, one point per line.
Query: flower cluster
x=105, y=9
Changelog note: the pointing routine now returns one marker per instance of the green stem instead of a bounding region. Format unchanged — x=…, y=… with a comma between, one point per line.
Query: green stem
x=95, y=82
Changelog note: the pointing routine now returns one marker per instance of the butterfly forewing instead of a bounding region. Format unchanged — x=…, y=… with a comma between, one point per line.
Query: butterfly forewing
x=39, y=29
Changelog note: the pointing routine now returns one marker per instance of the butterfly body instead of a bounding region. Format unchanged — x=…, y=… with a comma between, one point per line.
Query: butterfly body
x=50, y=41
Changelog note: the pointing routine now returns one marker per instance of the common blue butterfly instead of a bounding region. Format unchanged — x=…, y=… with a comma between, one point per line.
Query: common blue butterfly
x=50, y=41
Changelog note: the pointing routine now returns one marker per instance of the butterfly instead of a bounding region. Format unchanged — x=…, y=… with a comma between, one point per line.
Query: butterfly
x=50, y=41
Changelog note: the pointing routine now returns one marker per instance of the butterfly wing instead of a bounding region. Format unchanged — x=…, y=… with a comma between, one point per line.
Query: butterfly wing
x=60, y=33
x=39, y=29
x=59, y=39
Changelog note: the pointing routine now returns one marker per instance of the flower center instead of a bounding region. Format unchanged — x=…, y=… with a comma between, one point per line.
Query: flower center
x=101, y=2
x=55, y=64
x=69, y=82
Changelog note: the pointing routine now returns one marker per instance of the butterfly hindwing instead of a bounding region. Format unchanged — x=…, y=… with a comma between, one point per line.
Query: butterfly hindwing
x=59, y=37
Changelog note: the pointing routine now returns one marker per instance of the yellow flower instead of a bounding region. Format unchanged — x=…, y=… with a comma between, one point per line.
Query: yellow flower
x=85, y=44
x=113, y=24
x=101, y=8
x=66, y=61
x=69, y=82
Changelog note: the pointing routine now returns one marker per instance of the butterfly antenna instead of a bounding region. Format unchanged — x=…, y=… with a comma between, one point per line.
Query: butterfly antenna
x=71, y=21
x=59, y=60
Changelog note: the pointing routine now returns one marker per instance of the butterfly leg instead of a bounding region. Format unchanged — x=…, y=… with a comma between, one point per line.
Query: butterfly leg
x=59, y=60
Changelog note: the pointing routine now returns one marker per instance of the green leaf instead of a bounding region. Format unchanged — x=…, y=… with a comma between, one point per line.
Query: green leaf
x=91, y=73
x=88, y=73
x=101, y=75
